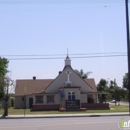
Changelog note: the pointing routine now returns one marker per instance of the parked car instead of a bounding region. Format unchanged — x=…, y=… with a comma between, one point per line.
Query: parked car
x=113, y=101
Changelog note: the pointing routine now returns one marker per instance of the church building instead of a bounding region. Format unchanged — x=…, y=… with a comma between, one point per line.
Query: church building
x=48, y=94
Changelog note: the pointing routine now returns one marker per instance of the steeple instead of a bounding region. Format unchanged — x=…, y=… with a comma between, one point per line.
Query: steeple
x=67, y=60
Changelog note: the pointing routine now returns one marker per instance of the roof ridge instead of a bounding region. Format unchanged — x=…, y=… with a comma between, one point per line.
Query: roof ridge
x=35, y=79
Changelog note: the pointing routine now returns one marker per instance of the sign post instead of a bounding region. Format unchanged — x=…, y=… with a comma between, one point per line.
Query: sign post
x=24, y=100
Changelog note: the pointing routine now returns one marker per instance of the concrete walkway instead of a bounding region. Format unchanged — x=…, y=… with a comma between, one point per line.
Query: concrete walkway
x=64, y=115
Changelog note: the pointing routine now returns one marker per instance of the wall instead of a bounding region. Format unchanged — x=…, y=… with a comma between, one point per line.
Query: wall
x=27, y=100
x=62, y=78
x=18, y=102
x=83, y=98
x=46, y=107
x=56, y=98
x=95, y=106
x=75, y=90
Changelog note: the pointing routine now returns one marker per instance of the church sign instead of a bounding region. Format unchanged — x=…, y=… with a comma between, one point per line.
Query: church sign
x=72, y=104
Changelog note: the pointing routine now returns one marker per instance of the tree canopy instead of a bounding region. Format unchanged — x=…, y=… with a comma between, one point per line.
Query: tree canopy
x=82, y=74
x=125, y=81
x=102, y=85
x=3, y=71
x=3, y=66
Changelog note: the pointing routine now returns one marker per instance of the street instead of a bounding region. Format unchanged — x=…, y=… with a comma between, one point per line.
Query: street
x=77, y=123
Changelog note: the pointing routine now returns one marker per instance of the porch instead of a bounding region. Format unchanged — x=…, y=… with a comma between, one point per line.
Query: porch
x=72, y=101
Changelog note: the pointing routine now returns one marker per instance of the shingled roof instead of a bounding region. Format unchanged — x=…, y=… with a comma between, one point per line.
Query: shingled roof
x=39, y=85
x=91, y=83
x=32, y=86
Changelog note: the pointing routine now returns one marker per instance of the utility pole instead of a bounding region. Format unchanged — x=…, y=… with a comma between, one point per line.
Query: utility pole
x=128, y=46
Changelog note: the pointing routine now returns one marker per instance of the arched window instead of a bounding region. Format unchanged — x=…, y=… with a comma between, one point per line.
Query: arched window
x=71, y=95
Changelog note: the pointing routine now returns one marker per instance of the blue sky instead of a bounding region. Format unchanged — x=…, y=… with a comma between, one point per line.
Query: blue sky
x=42, y=28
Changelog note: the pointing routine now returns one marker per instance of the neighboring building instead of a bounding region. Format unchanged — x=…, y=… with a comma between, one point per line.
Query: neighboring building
x=43, y=94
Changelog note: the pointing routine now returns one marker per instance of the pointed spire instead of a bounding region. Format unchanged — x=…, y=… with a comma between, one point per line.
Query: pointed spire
x=67, y=60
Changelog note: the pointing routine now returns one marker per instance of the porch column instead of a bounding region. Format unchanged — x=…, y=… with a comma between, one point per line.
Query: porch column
x=97, y=98
x=44, y=99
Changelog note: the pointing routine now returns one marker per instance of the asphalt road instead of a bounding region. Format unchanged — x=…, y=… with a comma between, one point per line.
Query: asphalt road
x=80, y=123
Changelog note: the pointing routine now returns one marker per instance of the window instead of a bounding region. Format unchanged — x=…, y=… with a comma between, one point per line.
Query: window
x=71, y=95
x=39, y=99
x=50, y=99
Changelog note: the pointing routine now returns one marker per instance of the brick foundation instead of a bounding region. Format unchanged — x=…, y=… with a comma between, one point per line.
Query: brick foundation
x=88, y=106
x=95, y=106
x=46, y=107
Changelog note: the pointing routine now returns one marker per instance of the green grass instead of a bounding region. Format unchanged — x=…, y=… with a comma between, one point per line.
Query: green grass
x=114, y=108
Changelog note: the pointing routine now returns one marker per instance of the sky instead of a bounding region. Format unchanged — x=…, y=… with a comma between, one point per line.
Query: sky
x=50, y=27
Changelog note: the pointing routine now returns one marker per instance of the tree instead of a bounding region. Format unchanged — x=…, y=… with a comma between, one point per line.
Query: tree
x=8, y=82
x=127, y=95
x=3, y=71
x=116, y=93
x=125, y=81
x=2, y=88
x=102, y=85
x=5, y=82
x=82, y=74
x=109, y=96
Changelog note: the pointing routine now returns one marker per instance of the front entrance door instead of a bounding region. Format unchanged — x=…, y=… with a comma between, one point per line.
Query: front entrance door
x=30, y=102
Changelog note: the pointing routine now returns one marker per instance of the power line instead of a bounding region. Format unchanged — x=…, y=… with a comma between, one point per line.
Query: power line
x=65, y=54
x=64, y=57
x=55, y=2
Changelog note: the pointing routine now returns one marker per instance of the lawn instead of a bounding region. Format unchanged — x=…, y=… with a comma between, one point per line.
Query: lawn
x=114, y=108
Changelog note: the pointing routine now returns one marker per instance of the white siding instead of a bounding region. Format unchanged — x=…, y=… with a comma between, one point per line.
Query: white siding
x=62, y=78
x=83, y=98
x=18, y=102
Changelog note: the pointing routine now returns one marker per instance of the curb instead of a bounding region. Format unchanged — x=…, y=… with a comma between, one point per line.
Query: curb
x=64, y=116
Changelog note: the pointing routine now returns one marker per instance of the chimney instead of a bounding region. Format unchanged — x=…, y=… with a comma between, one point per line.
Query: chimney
x=60, y=72
x=34, y=78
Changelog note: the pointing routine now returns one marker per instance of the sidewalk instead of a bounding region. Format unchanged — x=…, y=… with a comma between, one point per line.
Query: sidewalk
x=64, y=115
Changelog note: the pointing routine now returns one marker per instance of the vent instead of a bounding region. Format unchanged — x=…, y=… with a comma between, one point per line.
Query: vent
x=60, y=72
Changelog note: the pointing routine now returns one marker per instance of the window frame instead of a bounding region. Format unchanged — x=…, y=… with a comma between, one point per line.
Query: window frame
x=38, y=101
x=71, y=95
x=53, y=98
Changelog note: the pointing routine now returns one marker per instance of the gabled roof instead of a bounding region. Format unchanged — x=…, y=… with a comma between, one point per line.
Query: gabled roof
x=39, y=85
x=32, y=86
x=91, y=83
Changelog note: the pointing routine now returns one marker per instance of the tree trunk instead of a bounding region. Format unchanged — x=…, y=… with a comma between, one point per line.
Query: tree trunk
x=6, y=106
